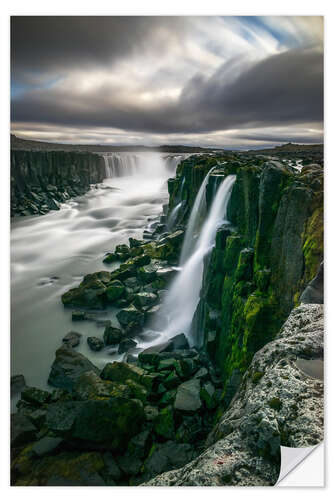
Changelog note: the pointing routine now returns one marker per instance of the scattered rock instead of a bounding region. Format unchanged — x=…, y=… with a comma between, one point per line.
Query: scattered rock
x=188, y=396
x=67, y=368
x=112, y=335
x=95, y=343
x=78, y=316
x=72, y=339
x=22, y=430
x=130, y=315
x=125, y=345
x=17, y=384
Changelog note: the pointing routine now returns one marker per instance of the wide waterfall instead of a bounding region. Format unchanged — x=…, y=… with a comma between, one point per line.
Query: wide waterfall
x=183, y=297
x=146, y=163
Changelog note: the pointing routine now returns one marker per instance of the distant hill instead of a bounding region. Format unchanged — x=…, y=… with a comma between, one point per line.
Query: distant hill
x=290, y=148
x=28, y=145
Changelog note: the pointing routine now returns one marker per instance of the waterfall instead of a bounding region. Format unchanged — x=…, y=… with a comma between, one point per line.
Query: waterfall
x=120, y=164
x=197, y=214
x=173, y=216
x=147, y=163
x=183, y=297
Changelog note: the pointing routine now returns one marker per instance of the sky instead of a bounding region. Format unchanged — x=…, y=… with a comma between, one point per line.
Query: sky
x=227, y=82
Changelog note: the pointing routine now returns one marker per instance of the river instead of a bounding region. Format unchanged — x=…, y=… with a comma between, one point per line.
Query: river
x=51, y=253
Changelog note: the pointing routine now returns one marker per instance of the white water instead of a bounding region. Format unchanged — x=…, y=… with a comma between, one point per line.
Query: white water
x=173, y=216
x=197, y=214
x=183, y=298
x=51, y=253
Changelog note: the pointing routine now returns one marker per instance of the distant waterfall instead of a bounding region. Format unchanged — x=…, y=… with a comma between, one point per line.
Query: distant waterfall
x=146, y=163
x=119, y=165
x=197, y=214
x=183, y=297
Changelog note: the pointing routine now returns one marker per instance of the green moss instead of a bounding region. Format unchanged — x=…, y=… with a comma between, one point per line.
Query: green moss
x=257, y=376
x=313, y=247
x=275, y=403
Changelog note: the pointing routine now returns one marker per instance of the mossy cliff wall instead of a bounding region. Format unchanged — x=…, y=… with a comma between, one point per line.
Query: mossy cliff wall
x=261, y=262
x=40, y=180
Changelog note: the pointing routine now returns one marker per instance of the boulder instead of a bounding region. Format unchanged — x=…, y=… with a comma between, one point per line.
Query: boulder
x=70, y=469
x=111, y=467
x=78, y=316
x=112, y=335
x=95, y=343
x=166, y=456
x=151, y=412
x=134, y=243
x=17, y=384
x=147, y=274
x=101, y=421
x=133, y=284
x=152, y=354
x=67, y=368
x=90, y=293
x=22, y=430
x=188, y=396
x=164, y=424
x=72, y=338
x=120, y=372
x=115, y=291
x=90, y=386
x=130, y=314
x=34, y=396
x=314, y=292
x=110, y=258
x=141, y=260
x=144, y=299
x=129, y=465
x=207, y=394
x=172, y=380
x=46, y=445
x=125, y=345
x=139, y=445
x=138, y=391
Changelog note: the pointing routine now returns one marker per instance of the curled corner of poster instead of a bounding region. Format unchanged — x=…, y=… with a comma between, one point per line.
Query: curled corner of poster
x=302, y=467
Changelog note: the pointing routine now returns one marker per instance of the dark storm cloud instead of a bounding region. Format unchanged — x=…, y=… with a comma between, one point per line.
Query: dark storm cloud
x=45, y=44
x=179, y=79
x=286, y=88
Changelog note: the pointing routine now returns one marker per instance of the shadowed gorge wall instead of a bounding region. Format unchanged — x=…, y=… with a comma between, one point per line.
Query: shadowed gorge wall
x=41, y=180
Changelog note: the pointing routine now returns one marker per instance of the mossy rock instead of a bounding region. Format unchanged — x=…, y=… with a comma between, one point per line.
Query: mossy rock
x=164, y=425
x=115, y=291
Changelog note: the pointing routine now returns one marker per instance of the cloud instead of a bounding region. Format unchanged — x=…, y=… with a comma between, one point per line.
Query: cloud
x=168, y=77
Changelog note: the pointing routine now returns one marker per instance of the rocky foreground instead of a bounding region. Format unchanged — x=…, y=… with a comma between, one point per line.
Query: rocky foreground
x=278, y=403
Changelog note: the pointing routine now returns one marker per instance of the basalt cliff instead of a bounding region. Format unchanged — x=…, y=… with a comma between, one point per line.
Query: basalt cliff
x=41, y=180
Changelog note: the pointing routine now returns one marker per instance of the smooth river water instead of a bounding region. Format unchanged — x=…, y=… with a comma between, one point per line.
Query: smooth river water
x=51, y=253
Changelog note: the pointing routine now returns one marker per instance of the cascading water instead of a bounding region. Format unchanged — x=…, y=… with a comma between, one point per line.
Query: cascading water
x=183, y=297
x=197, y=214
x=173, y=216
x=121, y=164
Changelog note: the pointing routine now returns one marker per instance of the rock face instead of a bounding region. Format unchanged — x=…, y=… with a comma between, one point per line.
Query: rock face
x=41, y=180
x=262, y=260
x=277, y=404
